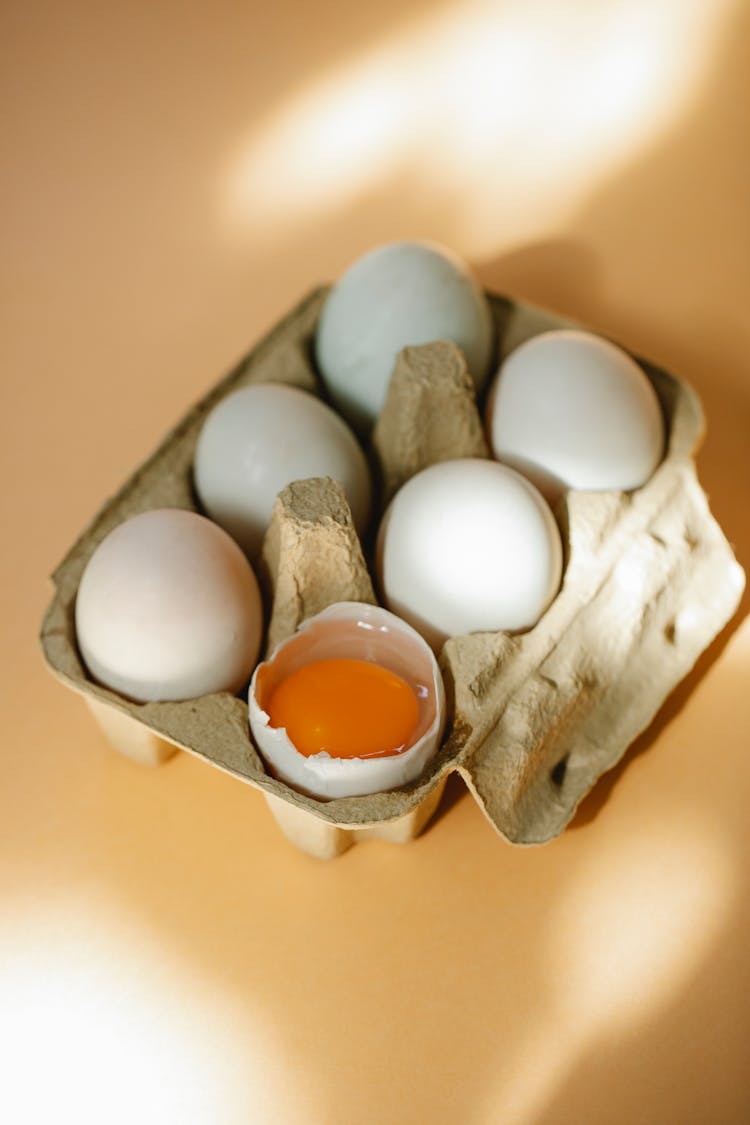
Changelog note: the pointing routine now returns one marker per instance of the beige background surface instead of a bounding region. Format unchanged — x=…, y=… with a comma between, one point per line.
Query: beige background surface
x=175, y=176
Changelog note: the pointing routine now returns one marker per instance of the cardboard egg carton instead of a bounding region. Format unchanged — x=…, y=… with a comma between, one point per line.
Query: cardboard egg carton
x=534, y=719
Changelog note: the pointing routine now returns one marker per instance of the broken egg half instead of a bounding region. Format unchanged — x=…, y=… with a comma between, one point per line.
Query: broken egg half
x=352, y=703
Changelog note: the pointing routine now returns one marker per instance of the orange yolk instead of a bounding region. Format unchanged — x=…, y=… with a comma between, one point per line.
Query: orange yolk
x=349, y=708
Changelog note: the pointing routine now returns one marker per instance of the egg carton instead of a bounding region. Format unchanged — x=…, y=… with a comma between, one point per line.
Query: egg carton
x=533, y=719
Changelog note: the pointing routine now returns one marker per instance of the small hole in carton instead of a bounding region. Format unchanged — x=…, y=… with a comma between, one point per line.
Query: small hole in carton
x=557, y=774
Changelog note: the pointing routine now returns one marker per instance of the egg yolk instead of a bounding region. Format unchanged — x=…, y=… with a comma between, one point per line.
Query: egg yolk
x=347, y=708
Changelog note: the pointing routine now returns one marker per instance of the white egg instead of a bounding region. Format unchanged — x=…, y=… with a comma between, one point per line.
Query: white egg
x=468, y=546
x=260, y=438
x=570, y=410
x=400, y=294
x=350, y=630
x=168, y=608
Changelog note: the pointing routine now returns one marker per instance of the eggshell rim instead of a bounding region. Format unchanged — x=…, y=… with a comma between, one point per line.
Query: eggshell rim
x=333, y=773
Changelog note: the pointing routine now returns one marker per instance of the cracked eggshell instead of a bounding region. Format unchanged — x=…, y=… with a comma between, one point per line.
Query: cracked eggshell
x=364, y=632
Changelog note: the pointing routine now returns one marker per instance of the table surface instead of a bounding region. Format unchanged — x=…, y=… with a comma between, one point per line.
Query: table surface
x=175, y=178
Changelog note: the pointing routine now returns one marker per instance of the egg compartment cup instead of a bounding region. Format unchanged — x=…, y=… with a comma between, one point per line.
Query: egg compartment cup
x=534, y=719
